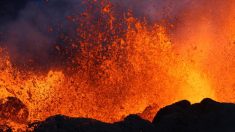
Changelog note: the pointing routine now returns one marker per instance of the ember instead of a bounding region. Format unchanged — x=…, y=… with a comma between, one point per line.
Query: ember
x=107, y=63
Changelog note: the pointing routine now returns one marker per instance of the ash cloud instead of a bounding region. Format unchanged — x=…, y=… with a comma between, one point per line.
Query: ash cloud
x=9, y=9
x=25, y=25
x=26, y=29
x=155, y=10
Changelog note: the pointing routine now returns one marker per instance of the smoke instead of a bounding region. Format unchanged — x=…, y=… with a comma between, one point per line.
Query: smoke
x=30, y=29
x=32, y=34
x=155, y=10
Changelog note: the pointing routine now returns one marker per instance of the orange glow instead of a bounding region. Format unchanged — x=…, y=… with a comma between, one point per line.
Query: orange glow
x=145, y=66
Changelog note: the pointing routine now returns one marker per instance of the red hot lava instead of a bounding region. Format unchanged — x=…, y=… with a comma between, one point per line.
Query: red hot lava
x=116, y=64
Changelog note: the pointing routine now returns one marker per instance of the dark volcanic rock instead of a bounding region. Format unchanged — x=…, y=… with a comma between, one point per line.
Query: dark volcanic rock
x=134, y=123
x=61, y=123
x=67, y=124
x=207, y=116
x=176, y=117
x=13, y=109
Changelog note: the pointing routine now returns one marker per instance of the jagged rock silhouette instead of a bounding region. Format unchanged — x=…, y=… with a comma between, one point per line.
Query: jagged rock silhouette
x=206, y=116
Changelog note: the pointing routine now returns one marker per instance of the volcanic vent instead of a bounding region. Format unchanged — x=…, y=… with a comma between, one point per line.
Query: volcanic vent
x=106, y=59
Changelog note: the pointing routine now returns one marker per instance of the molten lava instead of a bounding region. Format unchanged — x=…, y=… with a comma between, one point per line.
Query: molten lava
x=116, y=65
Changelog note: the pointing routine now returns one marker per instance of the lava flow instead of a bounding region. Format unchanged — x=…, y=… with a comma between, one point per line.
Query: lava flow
x=110, y=64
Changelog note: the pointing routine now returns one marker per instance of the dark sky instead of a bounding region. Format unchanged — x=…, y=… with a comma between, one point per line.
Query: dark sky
x=9, y=9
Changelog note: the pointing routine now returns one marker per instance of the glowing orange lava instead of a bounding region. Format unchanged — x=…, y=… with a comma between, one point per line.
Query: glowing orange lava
x=115, y=75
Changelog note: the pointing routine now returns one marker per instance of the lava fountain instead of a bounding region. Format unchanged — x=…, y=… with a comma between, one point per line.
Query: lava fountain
x=110, y=63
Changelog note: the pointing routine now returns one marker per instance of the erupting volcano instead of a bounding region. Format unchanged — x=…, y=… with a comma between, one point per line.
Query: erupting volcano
x=105, y=59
